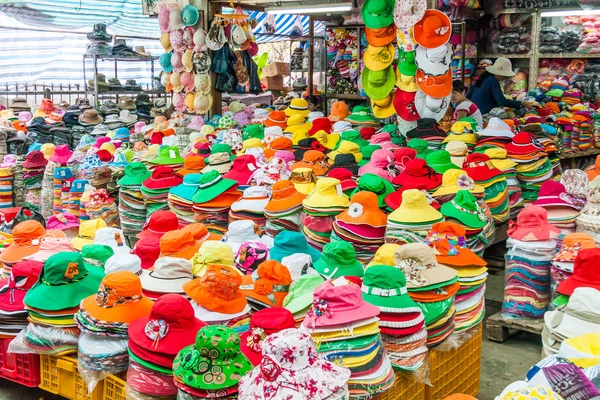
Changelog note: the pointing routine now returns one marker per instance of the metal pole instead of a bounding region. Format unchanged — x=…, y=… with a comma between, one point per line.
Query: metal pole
x=311, y=53
x=95, y=81
x=463, y=39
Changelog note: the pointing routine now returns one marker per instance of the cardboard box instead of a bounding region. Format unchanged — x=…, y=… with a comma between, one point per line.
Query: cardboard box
x=273, y=82
x=276, y=68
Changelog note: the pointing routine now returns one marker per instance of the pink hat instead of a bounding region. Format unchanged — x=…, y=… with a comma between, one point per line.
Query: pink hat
x=178, y=101
x=187, y=80
x=338, y=305
x=381, y=164
x=62, y=221
x=100, y=141
x=197, y=123
x=137, y=127
x=383, y=140
x=553, y=193
x=242, y=118
x=61, y=154
x=50, y=246
x=532, y=225
x=285, y=155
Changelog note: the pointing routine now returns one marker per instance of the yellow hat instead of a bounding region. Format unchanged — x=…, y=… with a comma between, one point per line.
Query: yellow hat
x=528, y=167
x=176, y=82
x=498, y=158
x=7, y=114
x=297, y=107
x=384, y=255
x=329, y=140
x=454, y=180
x=328, y=193
x=165, y=42
x=460, y=127
x=299, y=135
x=48, y=150
x=87, y=232
x=39, y=113
x=384, y=108
x=347, y=147
x=304, y=180
x=405, y=82
x=207, y=130
x=415, y=209
x=186, y=60
x=189, y=101
x=108, y=146
x=212, y=252
x=251, y=143
x=294, y=121
x=378, y=58
x=111, y=134
x=468, y=138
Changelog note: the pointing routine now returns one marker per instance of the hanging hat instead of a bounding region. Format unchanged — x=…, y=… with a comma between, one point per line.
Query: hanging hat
x=437, y=86
x=378, y=84
x=432, y=107
x=404, y=105
x=377, y=14
x=385, y=107
x=408, y=12
x=433, y=30
x=532, y=225
x=379, y=58
x=381, y=36
x=434, y=61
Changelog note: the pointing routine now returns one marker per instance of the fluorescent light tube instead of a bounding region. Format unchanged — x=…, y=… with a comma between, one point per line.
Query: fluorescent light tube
x=334, y=8
x=569, y=13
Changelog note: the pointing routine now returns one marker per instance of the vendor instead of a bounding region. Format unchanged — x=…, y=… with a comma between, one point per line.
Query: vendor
x=463, y=107
x=486, y=93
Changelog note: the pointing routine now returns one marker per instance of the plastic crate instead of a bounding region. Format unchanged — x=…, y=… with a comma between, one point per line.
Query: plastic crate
x=21, y=368
x=456, y=371
x=114, y=388
x=59, y=375
x=405, y=388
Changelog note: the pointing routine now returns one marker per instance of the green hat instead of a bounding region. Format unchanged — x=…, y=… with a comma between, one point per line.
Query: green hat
x=128, y=153
x=471, y=121
x=214, y=362
x=375, y=184
x=256, y=131
x=554, y=93
x=65, y=281
x=361, y=115
x=211, y=184
x=420, y=146
x=188, y=188
x=465, y=209
x=384, y=286
x=135, y=174
x=367, y=152
x=95, y=255
x=399, y=140
x=168, y=155
x=378, y=84
x=300, y=296
x=352, y=135
x=222, y=148
x=377, y=13
x=436, y=310
x=339, y=259
x=440, y=161
x=389, y=128
x=406, y=63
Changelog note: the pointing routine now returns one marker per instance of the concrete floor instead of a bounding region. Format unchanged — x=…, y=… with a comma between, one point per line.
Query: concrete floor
x=501, y=363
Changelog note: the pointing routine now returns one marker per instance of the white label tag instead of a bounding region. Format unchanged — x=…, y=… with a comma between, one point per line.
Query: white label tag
x=251, y=167
x=340, y=192
x=172, y=154
x=341, y=281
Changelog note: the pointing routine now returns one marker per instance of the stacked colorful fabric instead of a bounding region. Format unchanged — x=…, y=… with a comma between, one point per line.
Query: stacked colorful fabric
x=346, y=329
x=508, y=167
x=283, y=212
x=213, y=199
x=412, y=220
x=251, y=206
x=77, y=188
x=102, y=206
x=432, y=286
x=155, y=189
x=63, y=176
x=132, y=211
x=6, y=188
x=33, y=174
x=561, y=213
x=484, y=174
x=596, y=129
x=180, y=198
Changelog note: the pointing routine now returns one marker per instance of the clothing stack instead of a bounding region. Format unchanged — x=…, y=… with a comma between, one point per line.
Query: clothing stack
x=531, y=247
x=213, y=199
x=180, y=198
x=401, y=321
x=6, y=188
x=363, y=225
x=77, y=188
x=484, y=174
x=132, y=211
x=33, y=174
x=448, y=242
x=251, y=206
x=320, y=208
x=508, y=167
x=102, y=206
x=561, y=213
x=13, y=316
x=61, y=176
x=155, y=189
x=432, y=286
x=283, y=212
x=412, y=220
x=346, y=331
x=155, y=340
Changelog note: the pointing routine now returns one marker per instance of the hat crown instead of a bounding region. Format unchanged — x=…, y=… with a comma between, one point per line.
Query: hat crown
x=26, y=232
x=175, y=310
x=586, y=265
x=583, y=239
x=63, y=268
x=172, y=268
x=289, y=240
x=339, y=253
x=272, y=320
x=532, y=216
x=384, y=277
x=96, y=252
x=221, y=281
x=305, y=353
x=419, y=252
x=551, y=188
x=176, y=241
x=136, y=169
x=220, y=338
x=242, y=230
x=465, y=199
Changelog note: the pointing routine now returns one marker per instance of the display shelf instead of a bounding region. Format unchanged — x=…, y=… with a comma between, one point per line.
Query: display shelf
x=496, y=55
x=341, y=96
x=590, y=152
x=569, y=55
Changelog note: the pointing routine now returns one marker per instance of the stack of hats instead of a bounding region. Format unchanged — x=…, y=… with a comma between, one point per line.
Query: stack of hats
x=216, y=367
x=584, y=275
x=168, y=156
x=449, y=244
x=267, y=286
x=299, y=300
x=251, y=206
x=132, y=211
x=562, y=213
x=33, y=174
x=62, y=178
x=104, y=319
x=6, y=188
x=65, y=279
x=180, y=198
x=155, y=340
x=77, y=188
x=401, y=321
x=418, y=175
x=13, y=316
x=320, y=208
x=427, y=129
x=283, y=212
x=410, y=222
x=346, y=329
x=495, y=135
x=213, y=199
x=363, y=224
x=531, y=248
x=241, y=232
x=101, y=205
x=432, y=286
x=462, y=131
x=508, y=167
x=589, y=218
x=155, y=189
x=482, y=171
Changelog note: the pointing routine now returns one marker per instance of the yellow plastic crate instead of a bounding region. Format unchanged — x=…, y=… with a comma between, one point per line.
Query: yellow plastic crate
x=114, y=388
x=59, y=375
x=405, y=388
x=456, y=371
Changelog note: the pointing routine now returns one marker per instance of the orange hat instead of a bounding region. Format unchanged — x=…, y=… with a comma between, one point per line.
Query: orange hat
x=268, y=285
x=571, y=244
x=168, y=132
x=437, y=86
x=448, y=254
x=218, y=290
x=27, y=238
x=119, y=299
x=339, y=111
x=284, y=196
x=432, y=296
x=459, y=396
x=179, y=243
x=281, y=143
x=553, y=107
x=191, y=165
x=433, y=30
x=381, y=36
x=200, y=232
x=364, y=209
x=19, y=125
x=593, y=170
x=314, y=160
x=276, y=118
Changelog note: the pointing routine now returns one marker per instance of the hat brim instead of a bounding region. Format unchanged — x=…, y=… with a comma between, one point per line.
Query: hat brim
x=120, y=313
x=470, y=220
x=430, y=67
x=495, y=71
x=204, y=195
x=162, y=285
x=299, y=303
x=341, y=317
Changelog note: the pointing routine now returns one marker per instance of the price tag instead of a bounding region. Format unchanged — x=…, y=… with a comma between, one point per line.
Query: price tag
x=172, y=154
x=341, y=281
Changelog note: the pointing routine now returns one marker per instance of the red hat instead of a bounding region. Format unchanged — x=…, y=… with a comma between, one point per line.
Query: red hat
x=262, y=324
x=393, y=200
x=104, y=155
x=552, y=193
x=585, y=272
x=159, y=223
x=162, y=178
x=156, y=138
x=479, y=167
x=418, y=173
x=320, y=124
x=35, y=159
x=170, y=327
x=344, y=176
x=242, y=169
x=532, y=225
x=148, y=250
x=404, y=103
x=524, y=143
x=62, y=154
x=367, y=132
x=402, y=156
x=23, y=276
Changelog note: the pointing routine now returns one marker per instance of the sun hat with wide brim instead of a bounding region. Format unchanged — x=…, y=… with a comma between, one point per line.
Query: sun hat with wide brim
x=433, y=30
x=437, y=86
x=408, y=12
x=434, y=61
x=431, y=107
x=415, y=209
x=381, y=36
x=423, y=272
x=502, y=66
x=384, y=108
x=377, y=13
x=378, y=84
x=378, y=58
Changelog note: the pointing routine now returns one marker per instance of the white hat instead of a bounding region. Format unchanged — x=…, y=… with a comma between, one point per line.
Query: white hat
x=272, y=133
x=213, y=317
x=241, y=231
x=434, y=61
x=430, y=107
x=254, y=200
x=299, y=264
x=169, y=275
x=314, y=115
x=113, y=238
x=341, y=126
x=502, y=66
x=496, y=127
x=126, y=117
x=123, y=262
x=580, y=316
x=408, y=12
x=99, y=130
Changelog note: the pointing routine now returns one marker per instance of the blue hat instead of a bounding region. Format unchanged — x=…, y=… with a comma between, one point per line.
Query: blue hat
x=90, y=162
x=287, y=243
x=34, y=147
x=122, y=134
x=86, y=140
x=119, y=161
x=78, y=185
x=63, y=173
x=214, y=121
x=191, y=183
x=165, y=62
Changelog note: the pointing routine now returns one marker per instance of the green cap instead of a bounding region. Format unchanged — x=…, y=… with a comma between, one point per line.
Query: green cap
x=339, y=259
x=436, y=310
x=211, y=184
x=406, y=63
x=464, y=208
x=135, y=174
x=384, y=286
x=300, y=296
x=214, y=362
x=420, y=146
x=375, y=184
x=65, y=281
x=95, y=255
x=377, y=13
x=168, y=155
x=440, y=161
x=361, y=114
x=256, y=131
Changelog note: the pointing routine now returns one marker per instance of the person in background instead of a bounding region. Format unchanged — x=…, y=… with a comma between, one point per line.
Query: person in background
x=313, y=103
x=486, y=93
x=464, y=107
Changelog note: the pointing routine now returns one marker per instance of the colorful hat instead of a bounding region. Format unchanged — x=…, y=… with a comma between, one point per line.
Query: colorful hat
x=433, y=30
x=263, y=324
x=378, y=84
x=415, y=209
x=465, y=208
x=418, y=262
x=287, y=243
x=23, y=276
x=62, y=154
x=553, y=193
x=300, y=296
x=338, y=259
x=212, y=184
x=168, y=155
x=374, y=184
x=212, y=252
x=404, y=105
x=381, y=36
x=384, y=286
x=26, y=240
x=479, y=167
x=135, y=174
x=440, y=161
x=159, y=223
x=297, y=106
x=276, y=118
x=379, y=58
x=268, y=285
x=179, y=243
x=418, y=173
x=532, y=225
x=364, y=208
x=326, y=194
x=218, y=290
x=454, y=180
x=585, y=272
